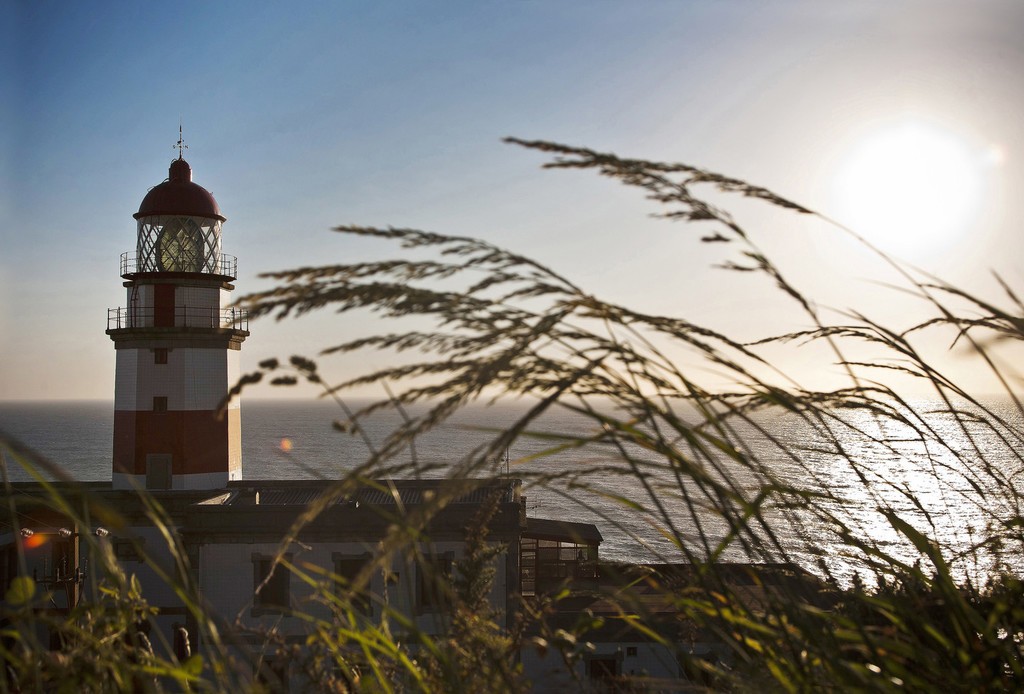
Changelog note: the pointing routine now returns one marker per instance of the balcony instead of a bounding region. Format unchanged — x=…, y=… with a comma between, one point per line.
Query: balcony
x=222, y=265
x=178, y=317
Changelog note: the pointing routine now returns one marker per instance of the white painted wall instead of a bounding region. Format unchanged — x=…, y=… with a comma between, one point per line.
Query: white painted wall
x=226, y=576
x=192, y=379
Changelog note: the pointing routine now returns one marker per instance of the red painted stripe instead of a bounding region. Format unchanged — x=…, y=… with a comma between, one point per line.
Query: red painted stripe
x=197, y=441
x=163, y=310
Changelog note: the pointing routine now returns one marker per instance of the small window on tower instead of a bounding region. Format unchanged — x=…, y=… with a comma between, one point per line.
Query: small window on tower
x=160, y=355
x=160, y=403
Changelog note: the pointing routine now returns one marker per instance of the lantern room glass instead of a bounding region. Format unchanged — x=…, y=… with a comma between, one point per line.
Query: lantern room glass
x=177, y=243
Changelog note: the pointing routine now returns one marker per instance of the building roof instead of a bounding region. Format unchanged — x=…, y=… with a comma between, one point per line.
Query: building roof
x=379, y=493
x=178, y=195
x=545, y=529
x=658, y=593
x=263, y=510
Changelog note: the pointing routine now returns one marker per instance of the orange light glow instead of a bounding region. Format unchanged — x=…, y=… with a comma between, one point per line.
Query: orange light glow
x=37, y=540
x=286, y=444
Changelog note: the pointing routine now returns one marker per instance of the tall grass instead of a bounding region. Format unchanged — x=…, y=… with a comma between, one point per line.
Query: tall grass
x=857, y=484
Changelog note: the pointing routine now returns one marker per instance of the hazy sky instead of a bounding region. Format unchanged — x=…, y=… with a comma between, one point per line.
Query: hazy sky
x=303, y=116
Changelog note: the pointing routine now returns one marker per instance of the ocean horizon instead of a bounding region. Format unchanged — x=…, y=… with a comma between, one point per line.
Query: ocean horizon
x=297, y=439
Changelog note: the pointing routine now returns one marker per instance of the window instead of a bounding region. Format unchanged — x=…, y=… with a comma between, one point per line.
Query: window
x=8, y=567
x=603, y=670
x=272, y=673
x=271, y=585
x=179, y=247
x=347, y=567
x=433, y=581
x=546, y=564
x=528, y=566
x=159, y=403
x=160, y=355
x=127, y=549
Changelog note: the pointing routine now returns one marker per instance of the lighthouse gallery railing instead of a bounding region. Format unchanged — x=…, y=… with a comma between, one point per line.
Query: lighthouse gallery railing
x=222, y=264
x=183, y=317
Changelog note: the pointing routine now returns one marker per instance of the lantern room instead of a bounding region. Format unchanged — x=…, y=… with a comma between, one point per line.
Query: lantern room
x=179, y=225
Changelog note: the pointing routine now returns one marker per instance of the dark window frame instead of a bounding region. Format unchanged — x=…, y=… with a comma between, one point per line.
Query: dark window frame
x=275, y=597
x=129, y=548
x=604, y=668
x=8, y=567
x=273, y=673
x=363, y=604
x=546, y=563
x=433, y=594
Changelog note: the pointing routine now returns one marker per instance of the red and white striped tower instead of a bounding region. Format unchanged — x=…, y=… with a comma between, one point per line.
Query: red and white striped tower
x=177, y=345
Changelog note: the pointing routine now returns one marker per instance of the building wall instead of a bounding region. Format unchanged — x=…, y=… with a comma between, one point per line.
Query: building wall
x=228, y=579
x=192, y=379
x=46, y=545
x=548, y=673
x=155, y=590
x=195, y=305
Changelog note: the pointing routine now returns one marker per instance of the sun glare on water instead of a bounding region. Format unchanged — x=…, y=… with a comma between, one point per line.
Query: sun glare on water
x=911, y=188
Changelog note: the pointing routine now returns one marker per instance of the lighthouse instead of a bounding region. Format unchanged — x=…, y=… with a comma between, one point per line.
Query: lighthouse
x=177, y=343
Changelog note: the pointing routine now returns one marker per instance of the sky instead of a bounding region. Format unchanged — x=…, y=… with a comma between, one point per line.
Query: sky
x=304, y=116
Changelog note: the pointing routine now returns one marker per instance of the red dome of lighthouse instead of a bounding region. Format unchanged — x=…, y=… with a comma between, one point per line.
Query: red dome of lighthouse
x=178, y=195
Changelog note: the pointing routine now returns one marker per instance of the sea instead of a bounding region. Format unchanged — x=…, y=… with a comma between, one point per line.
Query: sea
x=956, y=479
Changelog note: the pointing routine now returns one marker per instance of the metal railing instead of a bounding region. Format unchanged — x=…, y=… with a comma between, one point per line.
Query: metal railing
x=225, y=265
x=179, y=317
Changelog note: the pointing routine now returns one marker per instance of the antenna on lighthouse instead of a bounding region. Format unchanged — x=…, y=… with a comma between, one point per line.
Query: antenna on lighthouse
x=180, y=145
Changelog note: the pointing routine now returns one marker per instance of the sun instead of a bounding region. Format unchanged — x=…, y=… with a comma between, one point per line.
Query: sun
x=910, y=187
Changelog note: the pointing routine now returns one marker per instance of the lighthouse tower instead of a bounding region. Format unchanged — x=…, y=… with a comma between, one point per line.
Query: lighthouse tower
x=177, y=345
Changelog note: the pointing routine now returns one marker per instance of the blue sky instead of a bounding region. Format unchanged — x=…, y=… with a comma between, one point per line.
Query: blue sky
x=305, y=116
